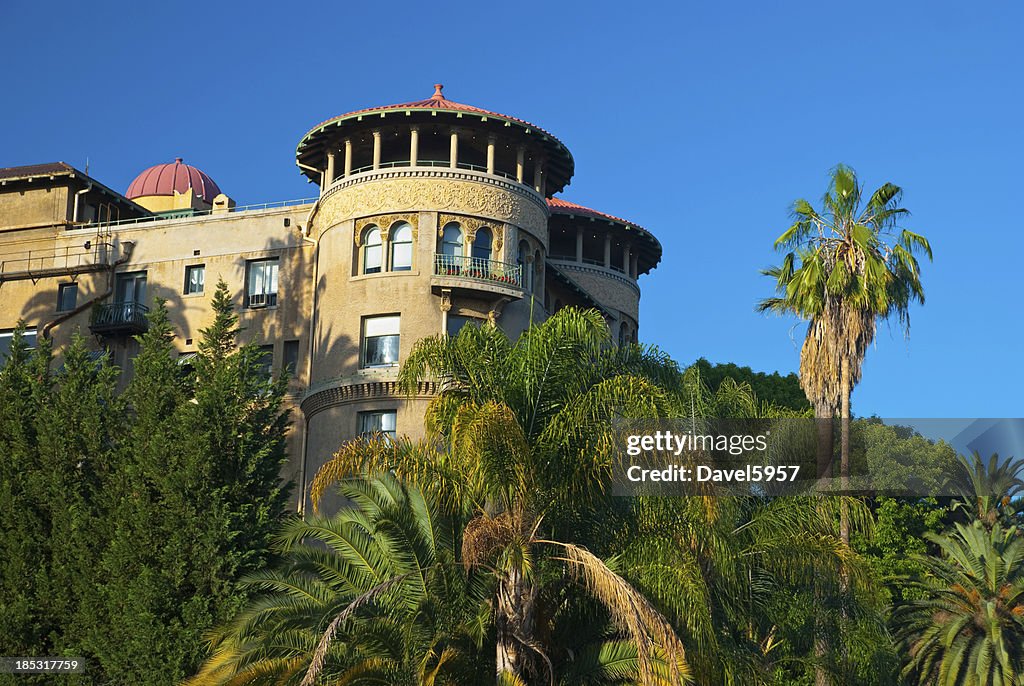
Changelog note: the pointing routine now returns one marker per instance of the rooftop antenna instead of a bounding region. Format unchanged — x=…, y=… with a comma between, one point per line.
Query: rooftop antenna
x=87, y=165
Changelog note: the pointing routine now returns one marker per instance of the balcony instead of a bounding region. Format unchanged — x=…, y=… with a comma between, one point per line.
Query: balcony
x=461, y=272
x=119, y=319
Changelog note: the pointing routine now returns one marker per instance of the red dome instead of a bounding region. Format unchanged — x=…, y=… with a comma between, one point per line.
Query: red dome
x=165, y=179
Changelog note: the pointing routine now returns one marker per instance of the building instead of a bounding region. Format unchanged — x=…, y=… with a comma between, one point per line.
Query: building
x=430, y=215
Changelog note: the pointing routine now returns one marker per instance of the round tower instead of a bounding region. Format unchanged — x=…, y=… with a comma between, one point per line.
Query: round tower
x=432, y=214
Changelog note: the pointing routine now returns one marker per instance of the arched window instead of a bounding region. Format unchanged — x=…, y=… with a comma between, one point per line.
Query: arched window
x=451, y=249
x=525, y=273
x=623, y=334
x=482, y=244
x=372, y=250
x=401, y=247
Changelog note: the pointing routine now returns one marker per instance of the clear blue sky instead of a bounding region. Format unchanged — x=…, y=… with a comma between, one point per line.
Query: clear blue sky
x=699, y=121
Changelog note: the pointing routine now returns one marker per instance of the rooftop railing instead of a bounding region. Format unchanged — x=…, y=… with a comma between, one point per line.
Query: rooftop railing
x=479, y=269
x=430, y=163
x=201, y=213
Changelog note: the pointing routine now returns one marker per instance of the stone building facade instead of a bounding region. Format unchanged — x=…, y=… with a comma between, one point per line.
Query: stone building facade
x=431, y=215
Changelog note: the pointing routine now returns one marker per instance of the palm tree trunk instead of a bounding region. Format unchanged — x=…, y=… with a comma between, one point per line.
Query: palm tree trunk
x=514, y=621
x=844, y=449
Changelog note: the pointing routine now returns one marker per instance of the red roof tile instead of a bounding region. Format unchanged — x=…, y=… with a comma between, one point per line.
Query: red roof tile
x=559, y=206
x=437, y=102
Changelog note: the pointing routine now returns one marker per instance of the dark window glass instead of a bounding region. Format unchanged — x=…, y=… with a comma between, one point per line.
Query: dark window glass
x=291, y=357
x=195, y=279
x=67, y=297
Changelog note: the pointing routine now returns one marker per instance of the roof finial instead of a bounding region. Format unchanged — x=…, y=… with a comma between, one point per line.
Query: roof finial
x=177, y=160
x=438, y=95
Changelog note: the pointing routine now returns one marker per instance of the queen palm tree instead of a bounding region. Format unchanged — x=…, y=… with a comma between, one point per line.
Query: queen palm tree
x=968, y=630
x=846, y=268
x=523, y=431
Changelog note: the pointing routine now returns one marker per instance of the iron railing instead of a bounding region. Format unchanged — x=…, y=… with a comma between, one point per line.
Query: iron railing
x=429, y=163
x=48, y=261
x=479, y=269
x=119, y=318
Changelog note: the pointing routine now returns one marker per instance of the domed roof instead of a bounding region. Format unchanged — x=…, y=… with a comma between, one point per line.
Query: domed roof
x=165, y=179
x=312, y=145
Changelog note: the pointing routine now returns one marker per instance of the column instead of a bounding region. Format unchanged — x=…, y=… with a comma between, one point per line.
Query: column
x=490, y=155
x=625, y=258
x=348, y=157
x=520, y=163
x=376, y=149
x=607, y=251
x=538, y=176
x=633, y=268
x=453, y=155
x=329, y=178
x=414, y=145
x=579, y=245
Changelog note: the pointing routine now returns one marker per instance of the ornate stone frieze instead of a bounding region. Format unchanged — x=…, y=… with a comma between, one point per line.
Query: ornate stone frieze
x=471, y=197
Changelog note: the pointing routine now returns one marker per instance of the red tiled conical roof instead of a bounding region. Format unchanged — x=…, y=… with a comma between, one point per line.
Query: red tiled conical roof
x=165, y=179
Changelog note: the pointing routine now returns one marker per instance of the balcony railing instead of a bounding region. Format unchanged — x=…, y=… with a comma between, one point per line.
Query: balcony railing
x=479, y=269
x=119, y=319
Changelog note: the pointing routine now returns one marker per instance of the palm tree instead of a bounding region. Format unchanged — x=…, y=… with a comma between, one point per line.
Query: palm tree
x=990, y=489
x=969, y=628
x=372, y=595
x=726, y=570
x=523, y=431
x=847, y=267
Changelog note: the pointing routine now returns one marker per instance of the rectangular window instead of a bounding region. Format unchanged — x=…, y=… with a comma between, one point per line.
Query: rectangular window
x=195, y=279
x=266, y=360
x=261, y=283
x=381, y=422
x=380, y=341
x=7, y=338
x=67, y=297
x=131, y=287
x=456, y=322
x=291, y=357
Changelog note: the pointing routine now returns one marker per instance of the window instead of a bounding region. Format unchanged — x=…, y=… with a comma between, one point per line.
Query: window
x=372, y=250
x=131, y=287
x=482, y=244
x=67, y=297
x=456, y=322
x=195, y=279
x=451, y=240
x=380, y=341
x=524, y=266
x=291, y=358
x=381, y=422
x=261, y=283
x=266, y=361
x=401, y=247
x=7, y=338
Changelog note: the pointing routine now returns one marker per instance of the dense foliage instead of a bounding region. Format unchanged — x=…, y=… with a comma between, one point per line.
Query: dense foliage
x=129, y=516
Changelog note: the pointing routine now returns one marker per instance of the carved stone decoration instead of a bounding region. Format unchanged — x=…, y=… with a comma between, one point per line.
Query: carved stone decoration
x=446, y=300
x=386, y=222
x=499, y=238
x=495, y=312
x=492, y=202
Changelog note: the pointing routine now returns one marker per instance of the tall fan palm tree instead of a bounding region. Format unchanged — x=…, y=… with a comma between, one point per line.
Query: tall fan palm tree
x=527, y=453
x=969, y=628
x=846, y=268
